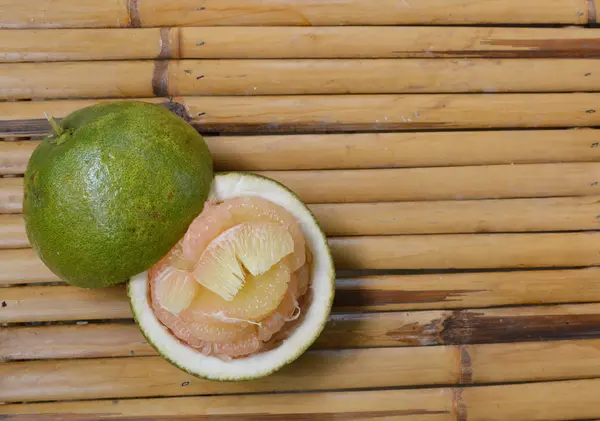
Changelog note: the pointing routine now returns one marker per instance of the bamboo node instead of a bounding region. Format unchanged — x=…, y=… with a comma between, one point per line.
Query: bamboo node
x=134, y=14
x=458, y=405
x=591, y=12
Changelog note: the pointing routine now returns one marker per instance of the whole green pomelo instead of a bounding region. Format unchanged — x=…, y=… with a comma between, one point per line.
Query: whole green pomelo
x=115, y=192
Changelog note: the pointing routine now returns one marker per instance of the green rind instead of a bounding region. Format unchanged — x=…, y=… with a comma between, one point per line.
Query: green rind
x=116, y=192
x=293, y=358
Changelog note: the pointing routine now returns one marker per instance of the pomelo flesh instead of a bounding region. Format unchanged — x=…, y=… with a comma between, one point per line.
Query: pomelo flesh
x=242, y=351
x=236, y=292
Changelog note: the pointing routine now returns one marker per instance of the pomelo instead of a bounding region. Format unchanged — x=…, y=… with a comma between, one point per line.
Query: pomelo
x=113, y=189
x=273, y=317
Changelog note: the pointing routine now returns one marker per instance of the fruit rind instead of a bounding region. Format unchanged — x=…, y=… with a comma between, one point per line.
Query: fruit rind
x=116, y=194
x=226, y=186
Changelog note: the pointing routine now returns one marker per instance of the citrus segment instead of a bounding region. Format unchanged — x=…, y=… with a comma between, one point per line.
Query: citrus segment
x=259, y=296
x=257, y=209
x=252, y=247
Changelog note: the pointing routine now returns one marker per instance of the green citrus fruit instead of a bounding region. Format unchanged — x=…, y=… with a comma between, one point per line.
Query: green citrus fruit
x=113, y=189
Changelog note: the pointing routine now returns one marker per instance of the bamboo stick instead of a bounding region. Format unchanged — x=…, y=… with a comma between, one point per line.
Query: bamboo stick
x=462, y=251
x=373, y=293
x=536, y=402
x=467, y=290
x=470, y=216
x=12, y=232
x=412, y=252
x=375, y=150
x=15, y=155
x=119, y=339
x=344, y=330
x=343, y=112
x=149, y=13
x=385, y=42
x=22, y=267
x=547, y=401
x=153, y=376
x=41, y=303
x=348, y=369
x=76, y=79
x=296, y=42
x=403, y=405
x=11, y=195
x=438, y=217
x=124, y=79
x=478, y=182
x=84, y=44
x=389, y=185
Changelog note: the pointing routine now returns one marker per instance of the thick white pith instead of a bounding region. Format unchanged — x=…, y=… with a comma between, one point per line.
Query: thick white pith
x=227, y=186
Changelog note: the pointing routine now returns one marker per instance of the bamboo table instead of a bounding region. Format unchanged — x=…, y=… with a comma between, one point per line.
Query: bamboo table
x=446, y=146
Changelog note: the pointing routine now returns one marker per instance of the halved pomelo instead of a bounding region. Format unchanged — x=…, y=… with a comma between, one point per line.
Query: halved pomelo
x=317, y=275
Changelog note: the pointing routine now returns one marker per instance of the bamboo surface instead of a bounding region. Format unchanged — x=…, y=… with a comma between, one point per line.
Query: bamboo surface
x=344, y=330
x=116, y=13
x=388, y=185
x=454, y=169
x=296, y=42
x=549, y=401
x=127, y=79
x=374, y=150
x=384, y=292
x=319, y=113
x=350, y=369
x=435, y=217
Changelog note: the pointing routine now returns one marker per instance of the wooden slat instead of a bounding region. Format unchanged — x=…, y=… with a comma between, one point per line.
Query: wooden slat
x=344, y=330
x=125, y=79
x=469, y=216
x=70, y=14
x=415, y=252
x=14, y=156
x=540, y=402
x=468, y=290
x=343, y=112
x=389, y=292
x=413, y=184
x=85, y=44
x=348, y=369
x=12, y=232
x=153, y=376
x=65, y=302
x=389, y=405
x=375, y=150
x=124, y=339
x=297, y=42
x=11, y=195
x=547, y=401
x=477, y=182
x=462, y=251
x=23, y=266
x=437, y=217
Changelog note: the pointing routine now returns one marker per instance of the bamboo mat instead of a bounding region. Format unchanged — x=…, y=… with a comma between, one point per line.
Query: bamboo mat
x=447, y=147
